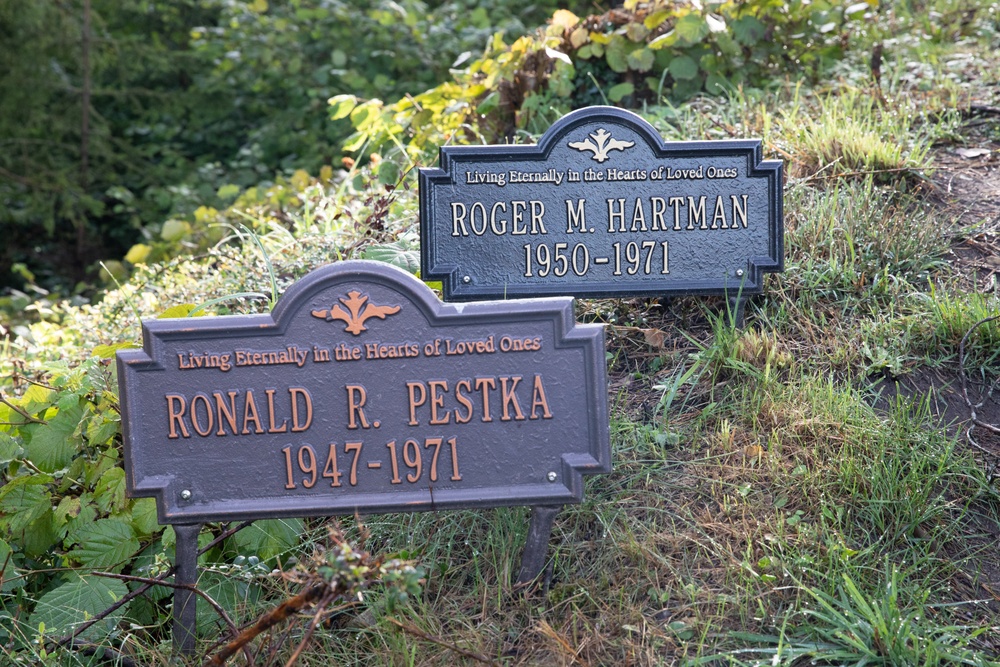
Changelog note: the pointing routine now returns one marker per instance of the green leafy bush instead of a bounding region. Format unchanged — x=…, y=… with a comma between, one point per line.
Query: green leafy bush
x=642, y=52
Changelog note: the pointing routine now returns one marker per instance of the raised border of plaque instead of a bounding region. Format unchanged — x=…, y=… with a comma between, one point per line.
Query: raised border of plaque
x=342, y=399
x=362, y=392
x=601, y=207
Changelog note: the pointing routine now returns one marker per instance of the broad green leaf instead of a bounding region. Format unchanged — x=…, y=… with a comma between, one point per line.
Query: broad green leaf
x=716, y=84
x=138, y=253
x=175, y=230
x=68, y=508
x=683, y=68
x=105, y=543
x=616, y=54
x=388, y=172
x=70, y=517
x=395, y=254
x=637, y=32
x=110, y=491
x=665, y=40
x=228, y=593
x=108, y=351
x=656, y=18
x=41, y=536
x=71, y=604
x=180, y=310
x=10, y=449
x=747, y=30
x=360, y=114
x=102, y=427
x=51, y=446
x=12, y=579
x=144, y=517
x=269, y=538
x=341, y=106
x=641, y=60
x=228, y=191
x=691, y=28
x=37, y=398
x=621, y=91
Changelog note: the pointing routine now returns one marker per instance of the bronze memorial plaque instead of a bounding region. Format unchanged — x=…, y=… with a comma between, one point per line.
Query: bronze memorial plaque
x=601, y=207
x=363, y=392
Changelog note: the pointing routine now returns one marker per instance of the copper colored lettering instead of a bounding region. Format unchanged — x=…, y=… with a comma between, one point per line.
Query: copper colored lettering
x=538, y=399
x=481, y=383
x=195, y=422
x=250, y=414
x=414, y=401
x=510, y=399
x=356, y=397
x=464, y=400
x=175, y=418
x=294, y=393
x=225, y=413
x=356, y=448
x=437, y=401
x=270, y=415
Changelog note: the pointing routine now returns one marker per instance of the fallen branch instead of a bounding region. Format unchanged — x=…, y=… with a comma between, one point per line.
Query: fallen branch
x=278, y=615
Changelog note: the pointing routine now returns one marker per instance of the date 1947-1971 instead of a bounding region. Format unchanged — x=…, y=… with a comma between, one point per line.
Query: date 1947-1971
x=304, y=466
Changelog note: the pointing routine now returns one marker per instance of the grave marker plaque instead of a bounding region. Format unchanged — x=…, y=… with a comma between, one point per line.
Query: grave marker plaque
x=362, y=392
x=601, y=207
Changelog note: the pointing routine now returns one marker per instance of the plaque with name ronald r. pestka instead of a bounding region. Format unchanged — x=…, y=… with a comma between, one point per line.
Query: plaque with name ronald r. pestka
x=363, y=392
x=601, y=207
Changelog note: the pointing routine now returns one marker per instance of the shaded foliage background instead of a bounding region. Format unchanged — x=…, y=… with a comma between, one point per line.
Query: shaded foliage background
x=118, y=114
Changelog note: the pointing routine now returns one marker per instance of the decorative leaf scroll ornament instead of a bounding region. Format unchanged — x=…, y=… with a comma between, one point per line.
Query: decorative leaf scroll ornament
x=604, y=144
x=355, y=318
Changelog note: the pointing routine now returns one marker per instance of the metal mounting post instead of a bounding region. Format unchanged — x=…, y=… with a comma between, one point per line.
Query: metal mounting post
x=536, y=547
x=737, y=306
x=185, y=573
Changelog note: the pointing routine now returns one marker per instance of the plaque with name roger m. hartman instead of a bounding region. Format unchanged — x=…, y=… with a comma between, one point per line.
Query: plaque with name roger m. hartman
x=601, y=207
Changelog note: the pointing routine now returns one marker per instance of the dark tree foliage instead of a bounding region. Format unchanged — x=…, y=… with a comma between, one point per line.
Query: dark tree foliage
x=115, y=114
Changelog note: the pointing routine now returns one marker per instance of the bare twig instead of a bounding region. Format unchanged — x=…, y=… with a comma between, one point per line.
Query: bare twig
x=277, y=615
x=131, y=595
x=417, y=632
x=21, y=411
x=109, y=654
x=320, y=609
x=169, y=584
x=964, y=379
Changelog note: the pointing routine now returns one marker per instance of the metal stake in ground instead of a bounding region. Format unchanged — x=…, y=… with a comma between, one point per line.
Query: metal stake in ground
x=185, y=607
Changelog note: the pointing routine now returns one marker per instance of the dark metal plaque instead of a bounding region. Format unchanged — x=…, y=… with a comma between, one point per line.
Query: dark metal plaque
x=601, y=207
x=363, y=392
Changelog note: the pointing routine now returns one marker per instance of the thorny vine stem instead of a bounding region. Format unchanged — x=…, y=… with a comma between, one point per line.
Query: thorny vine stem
x=188, y=587
x=68, y=640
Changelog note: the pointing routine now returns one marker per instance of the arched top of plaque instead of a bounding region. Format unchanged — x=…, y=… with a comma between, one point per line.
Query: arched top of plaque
x=363, y=392
x=602, y=206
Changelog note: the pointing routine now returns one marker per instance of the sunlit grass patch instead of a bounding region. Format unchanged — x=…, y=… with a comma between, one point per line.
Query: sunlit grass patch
x=850, y=134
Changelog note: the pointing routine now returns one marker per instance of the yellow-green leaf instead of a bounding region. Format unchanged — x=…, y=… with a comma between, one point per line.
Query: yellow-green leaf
x=138, y=253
